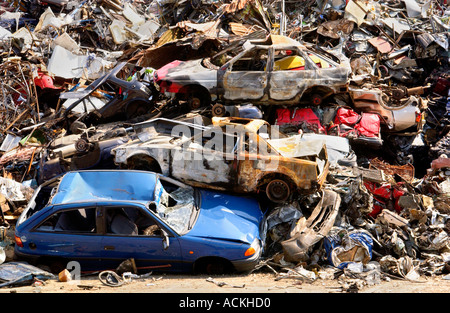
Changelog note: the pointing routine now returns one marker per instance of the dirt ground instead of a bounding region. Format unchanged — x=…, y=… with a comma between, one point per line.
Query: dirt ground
x=259, y=283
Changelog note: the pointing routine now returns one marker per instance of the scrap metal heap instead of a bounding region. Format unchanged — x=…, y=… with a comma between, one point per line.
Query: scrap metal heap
x=385, y=213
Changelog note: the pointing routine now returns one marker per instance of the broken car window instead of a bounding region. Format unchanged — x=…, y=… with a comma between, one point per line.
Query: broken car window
x=253, y=60
x=320, y=61
x=288, y=59
x=176, y=206
x=215, y=139
x=74, y=221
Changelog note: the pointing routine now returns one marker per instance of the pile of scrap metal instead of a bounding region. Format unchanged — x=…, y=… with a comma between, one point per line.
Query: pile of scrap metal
x=333, y=114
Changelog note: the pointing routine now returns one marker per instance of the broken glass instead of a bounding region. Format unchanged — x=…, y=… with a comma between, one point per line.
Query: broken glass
x=176, y=208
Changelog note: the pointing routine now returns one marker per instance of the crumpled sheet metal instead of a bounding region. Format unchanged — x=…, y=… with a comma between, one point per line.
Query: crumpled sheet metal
x=335, y=29
x=433, y=240
x=405, y=171
x=310, y=231
x=15, y=191
x=404, y=267
x=183, y=49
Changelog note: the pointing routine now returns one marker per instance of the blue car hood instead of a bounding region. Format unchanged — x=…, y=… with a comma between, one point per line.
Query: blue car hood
x=227, y=217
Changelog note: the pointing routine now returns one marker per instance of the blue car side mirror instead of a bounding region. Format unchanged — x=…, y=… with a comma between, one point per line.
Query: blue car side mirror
x=166, y=240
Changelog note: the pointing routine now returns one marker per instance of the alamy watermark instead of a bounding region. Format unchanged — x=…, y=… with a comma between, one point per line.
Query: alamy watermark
x=74, y=270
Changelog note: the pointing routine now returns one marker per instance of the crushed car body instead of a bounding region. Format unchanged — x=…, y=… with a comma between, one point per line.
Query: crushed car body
x=110, y=97
x=309, y=231
x=405, y=114
x=91, y=149
x=278, y=71
x=101, y=218
x=233, y=154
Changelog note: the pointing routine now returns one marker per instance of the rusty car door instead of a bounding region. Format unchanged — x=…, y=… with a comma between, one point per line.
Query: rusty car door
x=289, y=80
x=245, y=78
x=205, y=162
x=254, y=161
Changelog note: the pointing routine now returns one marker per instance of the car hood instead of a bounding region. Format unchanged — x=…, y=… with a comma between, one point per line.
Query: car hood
x=297, y=146
x=227, y=217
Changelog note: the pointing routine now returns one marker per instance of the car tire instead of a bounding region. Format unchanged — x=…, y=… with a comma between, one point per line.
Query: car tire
x=278, y=191
x=52, y=265
x=82, y=145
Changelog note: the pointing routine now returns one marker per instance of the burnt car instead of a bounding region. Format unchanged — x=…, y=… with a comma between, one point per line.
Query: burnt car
x=231, y=154
x=90, y=147
x=278, y=70
x=111, y=97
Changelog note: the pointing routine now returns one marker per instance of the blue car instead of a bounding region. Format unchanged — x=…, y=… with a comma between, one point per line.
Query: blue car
x=101, y=218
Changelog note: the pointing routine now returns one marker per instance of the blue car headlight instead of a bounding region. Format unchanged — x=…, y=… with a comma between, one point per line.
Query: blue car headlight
x=255, y=248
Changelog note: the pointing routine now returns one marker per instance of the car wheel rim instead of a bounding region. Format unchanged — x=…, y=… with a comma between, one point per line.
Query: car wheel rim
x=82, y=145
x=218, y=110
x=316, y=100
x=278, y=190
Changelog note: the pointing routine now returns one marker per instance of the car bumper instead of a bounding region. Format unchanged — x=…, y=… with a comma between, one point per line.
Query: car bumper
x=246, y=265
x=32, y=259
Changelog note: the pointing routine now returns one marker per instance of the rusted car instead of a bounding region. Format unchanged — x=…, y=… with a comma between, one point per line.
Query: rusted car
x=231, y=154
x=90, y=148
x=275, y=71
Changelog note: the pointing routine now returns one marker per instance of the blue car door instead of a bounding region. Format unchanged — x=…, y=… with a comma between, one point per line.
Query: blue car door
x=69, y=234
x=131, y=232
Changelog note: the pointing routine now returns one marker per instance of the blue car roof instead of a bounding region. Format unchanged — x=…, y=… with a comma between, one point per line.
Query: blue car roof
x=115, y=185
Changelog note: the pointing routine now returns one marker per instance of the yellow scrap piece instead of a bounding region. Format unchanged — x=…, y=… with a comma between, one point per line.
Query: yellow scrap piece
x=295, y=61
x=288, y=63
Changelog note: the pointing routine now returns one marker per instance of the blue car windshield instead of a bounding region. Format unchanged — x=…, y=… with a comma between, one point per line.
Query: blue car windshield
x=174, y=205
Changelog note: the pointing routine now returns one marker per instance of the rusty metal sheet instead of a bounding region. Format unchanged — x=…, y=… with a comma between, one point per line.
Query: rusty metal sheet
x=333, y=28
x=171, y=50
x=296, y=146
x=405, y=171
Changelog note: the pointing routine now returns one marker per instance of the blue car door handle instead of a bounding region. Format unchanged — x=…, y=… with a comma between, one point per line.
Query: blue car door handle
x=108, y=248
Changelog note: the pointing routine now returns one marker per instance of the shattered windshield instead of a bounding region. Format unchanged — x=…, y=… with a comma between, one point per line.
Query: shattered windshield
x=176, y=205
